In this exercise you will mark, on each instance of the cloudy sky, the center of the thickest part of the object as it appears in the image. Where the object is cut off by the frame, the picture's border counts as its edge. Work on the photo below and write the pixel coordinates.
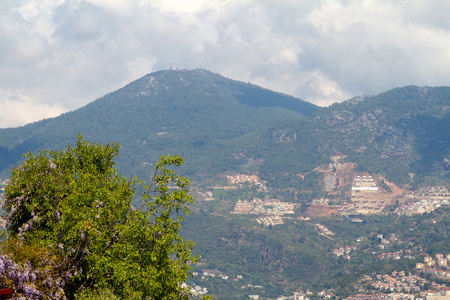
(59, 55)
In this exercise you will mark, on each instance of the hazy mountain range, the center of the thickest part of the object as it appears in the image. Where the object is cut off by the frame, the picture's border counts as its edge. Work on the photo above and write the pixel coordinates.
(178, 112)
(218, 124)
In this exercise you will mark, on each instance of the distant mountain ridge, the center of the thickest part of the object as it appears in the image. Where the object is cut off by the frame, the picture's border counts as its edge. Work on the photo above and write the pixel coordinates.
(218, 124)
(171, 111)
(410, 125)
(402, 133)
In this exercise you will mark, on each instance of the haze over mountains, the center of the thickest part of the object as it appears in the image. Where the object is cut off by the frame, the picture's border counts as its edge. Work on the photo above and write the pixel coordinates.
(182, 112)
(219, 124)
(402, 134)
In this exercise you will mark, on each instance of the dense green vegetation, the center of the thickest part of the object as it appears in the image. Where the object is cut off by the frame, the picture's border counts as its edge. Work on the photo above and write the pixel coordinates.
(72, 228)
(402, 134)
(222, 126)
(218, 125)
(189, 113)
(266, 256)
(294, 256)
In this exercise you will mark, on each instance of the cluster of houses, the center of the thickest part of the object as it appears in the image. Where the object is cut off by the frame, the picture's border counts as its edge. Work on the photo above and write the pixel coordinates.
(384, 242)
(393, 296)
(399, 282)
(442, 294)
(364, 184)
(243, 207)
(436, 272)
(195, 290)
(361, 206)
(344, 251)
(439, 266)
(273, 210)
(394, 255)
(321, 201)
(438, 192)
(215, 273)
(266, 207)
(439, 294)
(391, 239)
(323, 230)
(295, 296)
(440, 260)
(425, 199)
(421, 205)
(270, 220)
(207, 195)
(241, 178)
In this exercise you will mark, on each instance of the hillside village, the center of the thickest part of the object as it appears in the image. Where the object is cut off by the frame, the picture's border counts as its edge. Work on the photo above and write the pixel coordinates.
(398, 284)
(351, 195)
(408, 283)
(425, 199)
(359, 194)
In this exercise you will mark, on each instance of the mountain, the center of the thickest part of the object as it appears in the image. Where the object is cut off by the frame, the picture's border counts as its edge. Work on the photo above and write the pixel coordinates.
(185, 112)
(405, 128)
(218, 124)
(402, 133)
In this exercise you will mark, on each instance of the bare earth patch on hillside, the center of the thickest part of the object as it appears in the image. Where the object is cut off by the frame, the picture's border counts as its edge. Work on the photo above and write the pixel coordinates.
(315, 211)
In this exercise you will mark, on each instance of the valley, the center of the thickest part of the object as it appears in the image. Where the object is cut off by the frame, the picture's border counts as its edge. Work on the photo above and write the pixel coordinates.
(349, 198)
(346, 193)
(292, 200)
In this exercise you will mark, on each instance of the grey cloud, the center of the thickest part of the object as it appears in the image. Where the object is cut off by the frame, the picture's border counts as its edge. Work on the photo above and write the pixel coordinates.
(79, 22)
(432, 14)
(20, 44)
(62, 56)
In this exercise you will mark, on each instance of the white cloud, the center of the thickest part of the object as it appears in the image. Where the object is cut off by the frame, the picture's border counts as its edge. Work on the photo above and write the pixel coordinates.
(62, 54)
(18, 109)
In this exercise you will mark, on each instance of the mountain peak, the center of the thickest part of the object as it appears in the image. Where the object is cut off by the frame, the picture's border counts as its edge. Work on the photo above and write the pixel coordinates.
(169, 111)
(160, 82)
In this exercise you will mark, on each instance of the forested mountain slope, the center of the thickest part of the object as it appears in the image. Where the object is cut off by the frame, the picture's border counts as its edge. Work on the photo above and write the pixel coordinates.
(218, 124)
(403, 134)
(184, 112)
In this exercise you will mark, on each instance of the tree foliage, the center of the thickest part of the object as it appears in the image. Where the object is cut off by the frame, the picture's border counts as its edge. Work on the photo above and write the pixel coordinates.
(76, 208)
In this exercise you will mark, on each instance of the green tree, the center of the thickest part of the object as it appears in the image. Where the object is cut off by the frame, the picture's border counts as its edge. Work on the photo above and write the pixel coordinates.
(74, 205)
